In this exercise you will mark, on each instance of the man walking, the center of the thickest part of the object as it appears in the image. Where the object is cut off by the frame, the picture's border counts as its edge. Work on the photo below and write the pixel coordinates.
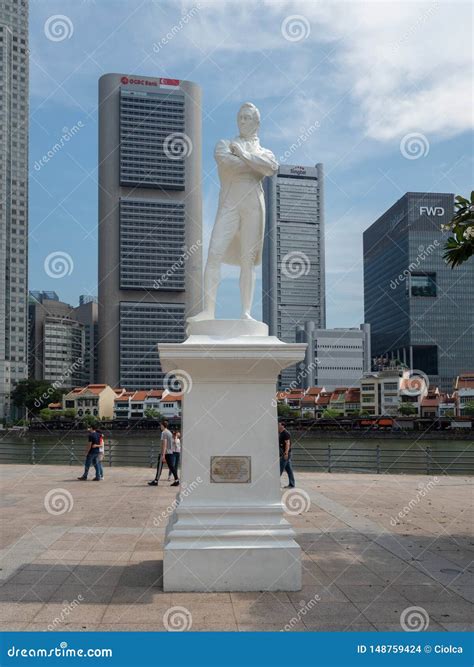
(167, 454)
(284, 440)
(92, 457)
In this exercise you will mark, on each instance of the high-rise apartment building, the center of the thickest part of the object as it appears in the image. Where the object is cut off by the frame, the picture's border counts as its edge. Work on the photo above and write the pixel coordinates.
(13, 197)
(421, 311)
(293, 279)
(59, 345)
(150, 228)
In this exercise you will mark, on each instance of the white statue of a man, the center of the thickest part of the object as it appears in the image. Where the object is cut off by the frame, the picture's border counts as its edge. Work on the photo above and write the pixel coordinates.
(237, 236)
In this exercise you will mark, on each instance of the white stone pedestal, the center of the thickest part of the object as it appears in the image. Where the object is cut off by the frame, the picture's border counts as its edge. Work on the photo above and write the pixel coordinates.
(228, 532)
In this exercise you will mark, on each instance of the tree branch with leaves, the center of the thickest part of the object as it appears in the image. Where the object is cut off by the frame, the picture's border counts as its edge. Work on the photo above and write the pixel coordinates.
(460, 246)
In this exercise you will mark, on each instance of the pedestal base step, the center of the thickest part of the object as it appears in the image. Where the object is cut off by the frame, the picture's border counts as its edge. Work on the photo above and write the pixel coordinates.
(232, 569)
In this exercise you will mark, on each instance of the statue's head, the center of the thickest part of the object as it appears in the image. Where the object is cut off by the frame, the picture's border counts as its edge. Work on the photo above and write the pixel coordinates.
(248, 120)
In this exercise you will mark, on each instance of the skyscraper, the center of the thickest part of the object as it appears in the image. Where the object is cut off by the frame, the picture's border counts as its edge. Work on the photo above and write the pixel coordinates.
(421, 311)
(13, 197)
(334, 357)
(59, 347)
(150, 256)
(293, 280)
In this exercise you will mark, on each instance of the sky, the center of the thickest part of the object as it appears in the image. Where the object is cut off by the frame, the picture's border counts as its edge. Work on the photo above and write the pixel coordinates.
(379, 92)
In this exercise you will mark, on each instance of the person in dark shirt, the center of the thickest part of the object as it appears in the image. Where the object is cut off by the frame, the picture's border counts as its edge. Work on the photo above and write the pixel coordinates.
(92, 457)
(284, 441)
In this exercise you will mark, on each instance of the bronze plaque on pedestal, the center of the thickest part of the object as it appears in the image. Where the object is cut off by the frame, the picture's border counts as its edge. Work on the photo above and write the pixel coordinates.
(230, 469)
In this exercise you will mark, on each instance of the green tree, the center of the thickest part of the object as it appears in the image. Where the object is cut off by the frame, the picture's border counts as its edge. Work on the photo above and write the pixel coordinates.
(34, 395)
(89, 420)
(151, 413)
(460, 246)
(407, 409)
(331, 413)
(46, 414)
(468, 409)
(284, 410)
(69, 413)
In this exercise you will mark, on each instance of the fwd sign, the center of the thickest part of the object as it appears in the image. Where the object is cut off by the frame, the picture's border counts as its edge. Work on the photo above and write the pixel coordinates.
(432, 210)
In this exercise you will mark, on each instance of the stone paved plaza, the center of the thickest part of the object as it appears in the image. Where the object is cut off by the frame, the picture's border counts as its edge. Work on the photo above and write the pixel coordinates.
(88, 555)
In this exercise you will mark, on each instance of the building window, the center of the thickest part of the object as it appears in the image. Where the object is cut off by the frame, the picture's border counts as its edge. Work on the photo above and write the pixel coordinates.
(423, 284)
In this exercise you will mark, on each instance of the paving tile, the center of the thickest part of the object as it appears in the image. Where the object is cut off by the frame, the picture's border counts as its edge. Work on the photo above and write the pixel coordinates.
(372, 593)
(83, 612)
(22, 611)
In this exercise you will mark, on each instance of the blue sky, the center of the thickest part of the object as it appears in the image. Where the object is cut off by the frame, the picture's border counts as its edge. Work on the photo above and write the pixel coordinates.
(366, 75)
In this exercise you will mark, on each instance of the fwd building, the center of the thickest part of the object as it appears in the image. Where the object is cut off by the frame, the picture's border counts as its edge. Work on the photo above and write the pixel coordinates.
(150, 227)
(421, 312)
(293, 255)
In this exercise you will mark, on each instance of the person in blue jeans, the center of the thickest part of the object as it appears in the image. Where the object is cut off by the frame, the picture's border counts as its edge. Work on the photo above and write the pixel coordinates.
(92, 458)
(284, 441)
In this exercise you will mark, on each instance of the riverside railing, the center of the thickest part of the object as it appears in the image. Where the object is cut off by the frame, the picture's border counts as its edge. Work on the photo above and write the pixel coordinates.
(457, 460)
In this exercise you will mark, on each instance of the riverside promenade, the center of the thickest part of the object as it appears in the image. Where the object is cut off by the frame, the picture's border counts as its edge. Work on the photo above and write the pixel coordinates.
(88, 556)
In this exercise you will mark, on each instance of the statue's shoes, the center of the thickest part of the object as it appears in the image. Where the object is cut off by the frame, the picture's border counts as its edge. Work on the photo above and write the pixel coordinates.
(203, 315)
